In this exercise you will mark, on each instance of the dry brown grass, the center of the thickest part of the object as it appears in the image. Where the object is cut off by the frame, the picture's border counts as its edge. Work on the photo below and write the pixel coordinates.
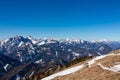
(110, 60)
(95, 72)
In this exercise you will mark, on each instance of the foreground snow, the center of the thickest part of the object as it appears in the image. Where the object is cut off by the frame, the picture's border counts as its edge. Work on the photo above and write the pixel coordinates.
(65, 72)
(115, 68)
(74, 69)
(91, 62)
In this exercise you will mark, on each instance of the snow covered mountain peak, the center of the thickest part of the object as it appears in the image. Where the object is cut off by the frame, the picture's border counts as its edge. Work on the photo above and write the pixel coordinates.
(23, 47)
(104, 40)
(42, 51)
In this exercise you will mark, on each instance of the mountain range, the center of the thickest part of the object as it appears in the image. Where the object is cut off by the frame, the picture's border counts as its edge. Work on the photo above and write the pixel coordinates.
(24, 57)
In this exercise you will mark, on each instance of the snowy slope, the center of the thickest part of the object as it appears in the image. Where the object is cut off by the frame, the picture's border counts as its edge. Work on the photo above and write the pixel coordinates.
(115, 68)
(65, 72)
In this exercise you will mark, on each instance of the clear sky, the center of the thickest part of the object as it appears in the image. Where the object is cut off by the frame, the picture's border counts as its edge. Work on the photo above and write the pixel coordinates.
(84, 19)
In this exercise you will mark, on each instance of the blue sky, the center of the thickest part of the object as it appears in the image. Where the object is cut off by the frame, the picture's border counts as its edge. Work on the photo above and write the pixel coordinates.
(84, 19)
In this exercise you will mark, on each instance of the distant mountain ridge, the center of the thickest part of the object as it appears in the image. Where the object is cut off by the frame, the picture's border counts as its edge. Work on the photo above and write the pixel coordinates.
(41, 52)
(25, 49)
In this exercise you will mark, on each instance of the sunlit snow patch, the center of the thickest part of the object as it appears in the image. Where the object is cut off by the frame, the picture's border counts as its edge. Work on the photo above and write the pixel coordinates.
(115, 68)
(65, 72)
(5, 67)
